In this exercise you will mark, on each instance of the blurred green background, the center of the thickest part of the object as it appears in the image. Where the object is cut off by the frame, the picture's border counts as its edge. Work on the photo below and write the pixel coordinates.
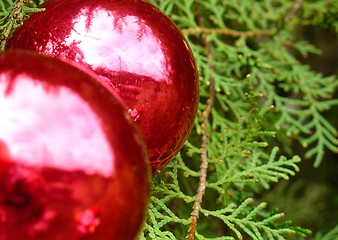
(310, 198)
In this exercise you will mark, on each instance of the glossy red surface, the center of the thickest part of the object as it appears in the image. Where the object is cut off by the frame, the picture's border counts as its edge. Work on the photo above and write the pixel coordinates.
(72, 163)
(136, 50)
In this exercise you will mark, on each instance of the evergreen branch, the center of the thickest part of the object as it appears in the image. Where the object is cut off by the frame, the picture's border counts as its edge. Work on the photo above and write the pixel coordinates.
(331, 235)
(3, 7)
(305, 96)
(245, 219)
(165, 190)
(167, 216)
(154, 230)
(325, 136)
(304, 121)
(13, 19)
(204, 147)
(258, 170)
(170, 189)
(186, 171)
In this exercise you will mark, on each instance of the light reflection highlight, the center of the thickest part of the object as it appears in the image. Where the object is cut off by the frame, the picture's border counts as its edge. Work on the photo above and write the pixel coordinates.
(129, 46)
(52, 127)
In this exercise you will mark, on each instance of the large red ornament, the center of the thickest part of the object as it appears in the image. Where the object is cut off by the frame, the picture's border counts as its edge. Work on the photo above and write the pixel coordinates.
(136, 50)
(72, 165)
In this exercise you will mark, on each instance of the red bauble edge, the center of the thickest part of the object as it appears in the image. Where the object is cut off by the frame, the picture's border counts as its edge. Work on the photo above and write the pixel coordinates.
(72, 162)
(136, 50)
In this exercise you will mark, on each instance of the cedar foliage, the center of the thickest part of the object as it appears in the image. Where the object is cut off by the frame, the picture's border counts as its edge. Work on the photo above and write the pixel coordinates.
(257, 102)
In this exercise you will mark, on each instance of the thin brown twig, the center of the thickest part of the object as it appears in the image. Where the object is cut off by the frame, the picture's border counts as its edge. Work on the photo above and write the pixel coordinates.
(296, 6)
(204, 147)
(227, 31)
(204, 163)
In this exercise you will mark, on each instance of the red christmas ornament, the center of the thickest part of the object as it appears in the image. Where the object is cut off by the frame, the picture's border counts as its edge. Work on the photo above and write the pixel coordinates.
(72, 165)
(136, 50)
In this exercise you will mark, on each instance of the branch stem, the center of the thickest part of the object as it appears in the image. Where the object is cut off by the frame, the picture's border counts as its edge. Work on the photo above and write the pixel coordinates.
(296, 6)
(204, 145)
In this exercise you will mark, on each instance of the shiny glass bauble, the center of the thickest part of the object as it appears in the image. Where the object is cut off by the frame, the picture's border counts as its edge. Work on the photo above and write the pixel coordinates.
(73, 164)
(136, 50)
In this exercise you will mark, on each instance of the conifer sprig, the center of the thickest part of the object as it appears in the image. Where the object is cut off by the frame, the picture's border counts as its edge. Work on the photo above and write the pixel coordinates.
(12, 15)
